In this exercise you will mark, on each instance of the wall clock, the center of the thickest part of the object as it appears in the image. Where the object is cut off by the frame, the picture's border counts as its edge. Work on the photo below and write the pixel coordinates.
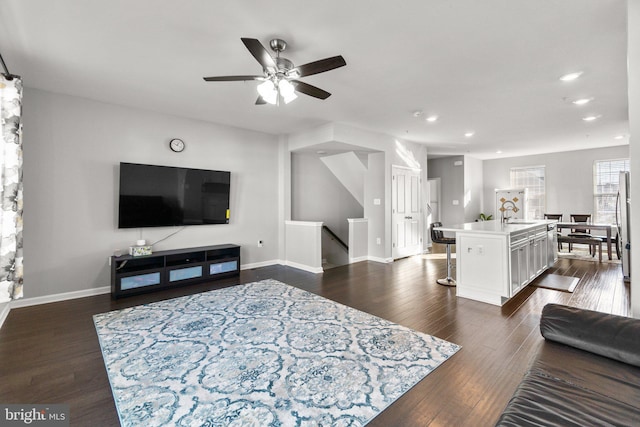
(176, 145)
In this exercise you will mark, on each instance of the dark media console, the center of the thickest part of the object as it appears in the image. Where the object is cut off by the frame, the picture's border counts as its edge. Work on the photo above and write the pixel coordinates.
(166, 269)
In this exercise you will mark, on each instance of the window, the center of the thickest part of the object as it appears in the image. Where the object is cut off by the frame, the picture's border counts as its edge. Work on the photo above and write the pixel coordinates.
(606, 175)
(532, 179)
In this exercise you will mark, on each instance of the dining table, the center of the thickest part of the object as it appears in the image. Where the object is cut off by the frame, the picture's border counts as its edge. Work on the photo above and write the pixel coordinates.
(583, 227)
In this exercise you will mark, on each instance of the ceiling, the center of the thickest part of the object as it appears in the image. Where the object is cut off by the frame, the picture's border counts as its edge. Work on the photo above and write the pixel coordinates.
(491, 66)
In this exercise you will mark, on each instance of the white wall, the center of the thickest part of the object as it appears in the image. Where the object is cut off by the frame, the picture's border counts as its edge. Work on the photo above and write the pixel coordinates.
(395, 152)
(350, 170)
(72, 149)
(317, 195)
(452, 188)
(374, 188)
(473, 188)
(568, 176)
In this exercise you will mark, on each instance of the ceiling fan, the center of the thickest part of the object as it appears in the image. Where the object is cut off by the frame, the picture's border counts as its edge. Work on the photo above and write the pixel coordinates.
(280, 79)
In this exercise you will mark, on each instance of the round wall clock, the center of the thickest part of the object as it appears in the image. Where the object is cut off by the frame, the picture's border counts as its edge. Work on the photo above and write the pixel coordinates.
(176, 145)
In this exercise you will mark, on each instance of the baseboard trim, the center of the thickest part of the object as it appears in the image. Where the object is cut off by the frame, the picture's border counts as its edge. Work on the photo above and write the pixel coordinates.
(358, 259)
(316, 270)
(27, 302)
(382, 260)
(260, 264)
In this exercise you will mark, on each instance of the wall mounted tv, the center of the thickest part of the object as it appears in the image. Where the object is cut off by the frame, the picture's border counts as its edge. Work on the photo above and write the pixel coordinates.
(161, 196)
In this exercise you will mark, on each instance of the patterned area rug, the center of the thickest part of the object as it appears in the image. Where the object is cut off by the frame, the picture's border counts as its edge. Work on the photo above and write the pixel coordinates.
(260, 354)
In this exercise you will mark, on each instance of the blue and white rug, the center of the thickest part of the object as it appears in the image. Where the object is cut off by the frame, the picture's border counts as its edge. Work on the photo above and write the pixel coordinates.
(259, 354)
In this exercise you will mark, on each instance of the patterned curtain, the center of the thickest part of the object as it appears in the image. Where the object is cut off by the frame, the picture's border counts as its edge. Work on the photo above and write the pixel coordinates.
(10, 189)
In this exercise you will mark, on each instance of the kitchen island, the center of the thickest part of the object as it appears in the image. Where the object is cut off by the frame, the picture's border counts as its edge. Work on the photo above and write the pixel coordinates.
(496, 260)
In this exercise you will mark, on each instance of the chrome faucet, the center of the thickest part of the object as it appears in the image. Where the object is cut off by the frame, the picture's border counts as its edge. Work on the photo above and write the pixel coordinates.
(512, 208)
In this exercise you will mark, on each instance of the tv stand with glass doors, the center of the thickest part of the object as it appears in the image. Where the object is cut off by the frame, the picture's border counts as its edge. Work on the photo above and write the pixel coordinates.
(167, 269)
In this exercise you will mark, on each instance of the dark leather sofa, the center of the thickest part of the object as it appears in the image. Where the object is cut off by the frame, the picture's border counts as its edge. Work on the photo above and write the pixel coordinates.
(586, 374)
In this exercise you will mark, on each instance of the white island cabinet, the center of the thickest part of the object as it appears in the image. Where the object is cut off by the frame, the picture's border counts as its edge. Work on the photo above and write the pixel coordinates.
(495, 260)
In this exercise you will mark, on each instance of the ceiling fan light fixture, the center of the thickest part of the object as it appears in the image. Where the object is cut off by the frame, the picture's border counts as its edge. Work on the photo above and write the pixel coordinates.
(287, 90)
(289, 98)
(279, 72)
(268, 92)
(293, 74)
(285, 87)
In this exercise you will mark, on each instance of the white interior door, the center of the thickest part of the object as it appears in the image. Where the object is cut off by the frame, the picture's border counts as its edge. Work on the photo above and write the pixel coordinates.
(406, 212)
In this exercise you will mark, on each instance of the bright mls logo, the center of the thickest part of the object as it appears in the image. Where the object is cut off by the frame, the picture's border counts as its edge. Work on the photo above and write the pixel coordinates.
(34, 415)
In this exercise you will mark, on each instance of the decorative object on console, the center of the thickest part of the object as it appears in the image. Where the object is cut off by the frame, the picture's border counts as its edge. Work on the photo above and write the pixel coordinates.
(140, 250)
(280, 79)
(262, 353)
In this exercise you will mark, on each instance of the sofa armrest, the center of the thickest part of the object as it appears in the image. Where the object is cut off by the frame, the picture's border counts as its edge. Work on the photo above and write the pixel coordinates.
(608, 335)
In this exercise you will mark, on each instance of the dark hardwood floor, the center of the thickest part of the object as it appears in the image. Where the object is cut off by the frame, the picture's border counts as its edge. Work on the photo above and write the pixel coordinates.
(50, 353)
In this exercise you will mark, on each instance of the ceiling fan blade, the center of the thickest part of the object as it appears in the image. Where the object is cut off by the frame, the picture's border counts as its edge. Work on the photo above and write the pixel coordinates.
(232, 78)
(260, 100)
(321, 66)
(310, 90)
(259, 52)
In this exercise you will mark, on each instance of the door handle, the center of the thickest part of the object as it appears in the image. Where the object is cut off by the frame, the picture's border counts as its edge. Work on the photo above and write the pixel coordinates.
(408, 217)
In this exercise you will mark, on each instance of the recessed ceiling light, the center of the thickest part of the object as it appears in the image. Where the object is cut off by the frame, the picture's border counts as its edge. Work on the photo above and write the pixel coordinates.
(469, 134)
(571, 76)
(431, 119)
(590, 118)
(417, 113)
(618, 137)
(499, 152)
(582, 101)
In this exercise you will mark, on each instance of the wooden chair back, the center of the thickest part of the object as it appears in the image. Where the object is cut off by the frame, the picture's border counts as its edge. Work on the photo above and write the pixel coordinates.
(582, 218)
(557, 217)
(586, 218)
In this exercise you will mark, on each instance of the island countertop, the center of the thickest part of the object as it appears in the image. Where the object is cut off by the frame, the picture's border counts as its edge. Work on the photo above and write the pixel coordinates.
(496, 226)
(495, 260)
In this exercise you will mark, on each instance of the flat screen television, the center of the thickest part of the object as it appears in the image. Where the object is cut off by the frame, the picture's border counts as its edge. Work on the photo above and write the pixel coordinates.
(161, 196)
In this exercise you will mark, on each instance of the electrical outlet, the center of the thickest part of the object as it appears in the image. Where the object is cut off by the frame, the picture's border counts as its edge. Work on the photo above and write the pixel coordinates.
(378, 241)
(260, 244)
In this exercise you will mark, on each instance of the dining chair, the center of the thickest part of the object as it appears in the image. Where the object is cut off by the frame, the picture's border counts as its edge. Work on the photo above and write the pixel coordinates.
(557, 217)
(584, 219)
